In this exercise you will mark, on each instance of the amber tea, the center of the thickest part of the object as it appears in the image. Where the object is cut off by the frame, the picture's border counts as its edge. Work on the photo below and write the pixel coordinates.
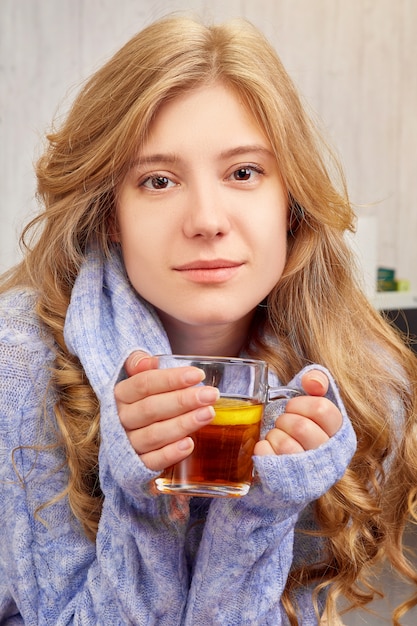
(221, 462)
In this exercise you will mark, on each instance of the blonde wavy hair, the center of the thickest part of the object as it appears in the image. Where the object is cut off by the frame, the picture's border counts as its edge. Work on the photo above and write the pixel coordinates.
(317, 311)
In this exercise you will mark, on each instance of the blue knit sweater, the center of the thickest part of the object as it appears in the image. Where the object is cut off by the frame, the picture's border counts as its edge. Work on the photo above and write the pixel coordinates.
(151, 564)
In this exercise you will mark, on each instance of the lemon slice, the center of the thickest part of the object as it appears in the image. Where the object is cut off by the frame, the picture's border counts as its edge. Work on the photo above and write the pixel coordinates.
(233, 411)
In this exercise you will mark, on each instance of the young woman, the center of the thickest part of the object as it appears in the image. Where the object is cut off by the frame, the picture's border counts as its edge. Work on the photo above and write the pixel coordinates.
(188, 208)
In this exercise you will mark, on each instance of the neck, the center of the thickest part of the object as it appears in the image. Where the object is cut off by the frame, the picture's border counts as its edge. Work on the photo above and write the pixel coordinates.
(216, 340)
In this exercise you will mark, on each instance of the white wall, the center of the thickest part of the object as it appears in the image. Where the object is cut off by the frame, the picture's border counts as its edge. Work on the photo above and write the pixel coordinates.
(354, 61)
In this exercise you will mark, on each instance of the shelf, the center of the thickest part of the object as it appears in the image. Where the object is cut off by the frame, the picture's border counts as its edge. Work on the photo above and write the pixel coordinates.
(388, 300)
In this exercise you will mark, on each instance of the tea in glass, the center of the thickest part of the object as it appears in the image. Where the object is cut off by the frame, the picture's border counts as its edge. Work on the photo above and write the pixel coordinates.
(221, 462)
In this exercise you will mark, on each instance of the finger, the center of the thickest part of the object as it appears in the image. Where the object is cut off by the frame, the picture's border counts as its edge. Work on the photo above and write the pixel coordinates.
(139, 361)
(160, 407)
(155, 381)
(320, 410)
(263, 448)
(159, 460)
(315, 383)
(300, 429)
(160, 434)
(277, 442)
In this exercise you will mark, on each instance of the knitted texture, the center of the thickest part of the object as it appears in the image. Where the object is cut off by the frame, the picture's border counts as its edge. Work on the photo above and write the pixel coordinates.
(151, 563)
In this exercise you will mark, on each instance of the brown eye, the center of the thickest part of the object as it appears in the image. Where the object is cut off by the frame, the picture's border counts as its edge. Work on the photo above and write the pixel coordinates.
(157, 182)
(243, 173)
(247, 173)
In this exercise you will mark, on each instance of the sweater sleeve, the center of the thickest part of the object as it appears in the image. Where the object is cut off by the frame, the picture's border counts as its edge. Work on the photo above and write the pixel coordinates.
(247, 546)
(50, 572)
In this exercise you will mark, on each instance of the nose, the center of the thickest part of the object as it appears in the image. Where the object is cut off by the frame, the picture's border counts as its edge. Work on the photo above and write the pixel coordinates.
(206, 212)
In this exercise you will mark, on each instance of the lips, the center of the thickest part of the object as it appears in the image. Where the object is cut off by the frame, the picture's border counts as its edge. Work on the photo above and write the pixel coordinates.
(209, 271)
(208, 265)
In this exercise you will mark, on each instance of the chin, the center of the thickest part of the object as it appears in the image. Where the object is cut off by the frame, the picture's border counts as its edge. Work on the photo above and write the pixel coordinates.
(206, 316)
(219, 317)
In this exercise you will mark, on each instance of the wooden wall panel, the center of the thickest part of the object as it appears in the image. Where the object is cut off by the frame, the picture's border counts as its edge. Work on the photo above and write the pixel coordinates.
(353, 61)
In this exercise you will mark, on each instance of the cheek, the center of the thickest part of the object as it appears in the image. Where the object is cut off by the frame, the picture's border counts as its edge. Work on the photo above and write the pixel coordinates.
(139, 258)
(273, 233)
(142, 272)
(275, 249)
(139, 237)
(145, 251)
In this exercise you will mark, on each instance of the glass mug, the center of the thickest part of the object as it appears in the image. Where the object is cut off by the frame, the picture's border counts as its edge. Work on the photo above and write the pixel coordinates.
(221, 462)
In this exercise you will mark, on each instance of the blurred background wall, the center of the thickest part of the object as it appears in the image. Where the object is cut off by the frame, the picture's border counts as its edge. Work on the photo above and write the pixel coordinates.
(354, 62)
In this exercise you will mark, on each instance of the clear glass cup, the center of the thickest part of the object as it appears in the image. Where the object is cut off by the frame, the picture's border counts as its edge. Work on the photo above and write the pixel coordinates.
(221, 462)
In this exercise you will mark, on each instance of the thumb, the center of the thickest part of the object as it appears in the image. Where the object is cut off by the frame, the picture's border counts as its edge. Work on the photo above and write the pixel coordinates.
(138, 361)
(315, 383)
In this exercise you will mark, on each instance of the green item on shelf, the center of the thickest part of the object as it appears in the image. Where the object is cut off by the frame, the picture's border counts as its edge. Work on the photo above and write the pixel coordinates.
(386, 279)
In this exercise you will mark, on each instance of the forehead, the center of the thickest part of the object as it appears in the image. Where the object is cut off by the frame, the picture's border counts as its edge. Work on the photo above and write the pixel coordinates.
(211, 116)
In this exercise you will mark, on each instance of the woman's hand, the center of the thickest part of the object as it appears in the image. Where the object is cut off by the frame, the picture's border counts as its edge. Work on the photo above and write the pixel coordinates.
(308, 420)
(159, 409)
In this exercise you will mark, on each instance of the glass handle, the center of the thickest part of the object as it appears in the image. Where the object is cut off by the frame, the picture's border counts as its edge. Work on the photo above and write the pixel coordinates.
(278, 393)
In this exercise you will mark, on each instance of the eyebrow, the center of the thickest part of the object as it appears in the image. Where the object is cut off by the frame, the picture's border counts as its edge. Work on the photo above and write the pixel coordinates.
(149, 159)
(171, 157)
(257, 148)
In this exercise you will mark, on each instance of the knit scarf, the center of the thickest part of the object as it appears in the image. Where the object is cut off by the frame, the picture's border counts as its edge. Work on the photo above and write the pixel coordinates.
(107, 320)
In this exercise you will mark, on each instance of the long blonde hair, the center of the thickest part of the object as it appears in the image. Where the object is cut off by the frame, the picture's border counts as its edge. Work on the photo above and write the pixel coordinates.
(317, 311)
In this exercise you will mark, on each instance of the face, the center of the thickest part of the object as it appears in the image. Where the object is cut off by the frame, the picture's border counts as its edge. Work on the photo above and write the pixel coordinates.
(202, 216)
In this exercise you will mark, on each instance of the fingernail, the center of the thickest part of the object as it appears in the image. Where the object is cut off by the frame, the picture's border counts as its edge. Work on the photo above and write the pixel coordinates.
(137, 358)
(208, 394)
(185, 444)
(205, 414)
(193, 376)
(318, 377)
